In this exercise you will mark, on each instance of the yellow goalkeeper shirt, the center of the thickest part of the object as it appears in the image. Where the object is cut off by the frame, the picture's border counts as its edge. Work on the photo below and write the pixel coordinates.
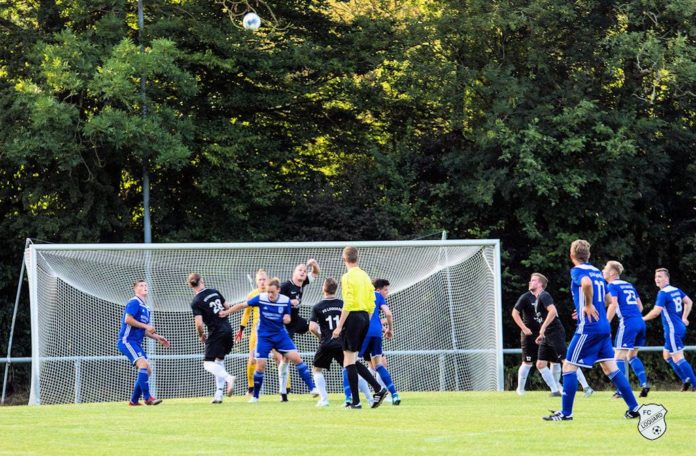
(358, 292)
(249, 311)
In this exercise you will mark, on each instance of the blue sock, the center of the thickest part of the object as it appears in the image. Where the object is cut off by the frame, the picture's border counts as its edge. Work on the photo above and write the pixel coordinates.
(676, 369)
(144, 383)
(135, 397)
(303, 370)
(687, 371)
(258, 381)
(621, 364)
(570, 386)
(386, 378)
(346, 387)
(639, 370)
(619, 379)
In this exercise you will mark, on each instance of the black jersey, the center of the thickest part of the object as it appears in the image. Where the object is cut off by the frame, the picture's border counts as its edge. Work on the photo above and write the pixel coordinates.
(292, 291)
(326, 314)
(534, 311)
(208, 303)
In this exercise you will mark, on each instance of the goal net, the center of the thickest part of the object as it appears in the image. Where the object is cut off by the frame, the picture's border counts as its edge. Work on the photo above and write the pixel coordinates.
(445, 297)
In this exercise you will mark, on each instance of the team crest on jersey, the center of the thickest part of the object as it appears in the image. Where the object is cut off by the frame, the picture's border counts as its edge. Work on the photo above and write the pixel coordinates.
(652, 424)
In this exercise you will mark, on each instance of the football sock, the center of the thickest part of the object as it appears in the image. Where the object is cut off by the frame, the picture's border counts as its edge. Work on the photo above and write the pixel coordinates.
(386, 378)
(364, 373)
(621, 364)
(144, 382)
(687, 371)
(556, 370)
(522, 375)
(135, 397)
(353, 382)
(283, 374)
(548, 378)
(639, 370)
(621, 383)
(320, 381)
(220, 380)
(582, 379)
(250, 374)
(570, 386)
(676, 369)
(375, 373)
(258, 381)
(303, 370)
(346, 386)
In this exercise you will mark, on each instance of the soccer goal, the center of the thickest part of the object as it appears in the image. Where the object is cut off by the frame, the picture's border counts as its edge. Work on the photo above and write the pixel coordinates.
(445, 296)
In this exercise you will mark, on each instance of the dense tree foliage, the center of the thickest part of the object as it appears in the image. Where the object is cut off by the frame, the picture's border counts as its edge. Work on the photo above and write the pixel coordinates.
(532, 121)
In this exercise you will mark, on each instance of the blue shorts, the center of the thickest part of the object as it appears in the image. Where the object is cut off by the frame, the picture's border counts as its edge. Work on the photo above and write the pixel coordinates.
(281, 342)
(674, 341)
(630, 334)
(132, 350)
(372, 346)
(586, 349)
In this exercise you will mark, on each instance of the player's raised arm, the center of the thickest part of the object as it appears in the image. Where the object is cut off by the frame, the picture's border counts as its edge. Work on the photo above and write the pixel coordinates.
(312, 269)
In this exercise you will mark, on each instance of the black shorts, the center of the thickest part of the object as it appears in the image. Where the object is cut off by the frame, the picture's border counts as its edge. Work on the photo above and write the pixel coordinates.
(218, 345)
(354, 331)
(327, 352)
(553, 347)
(298, 325)
(530, 349)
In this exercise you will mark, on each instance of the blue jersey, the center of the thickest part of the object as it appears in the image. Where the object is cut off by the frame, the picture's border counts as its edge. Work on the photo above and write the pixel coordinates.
(140, 312)
(375, 329)
(587, 324)
(670, 299)
(270, 313)
(627, 299)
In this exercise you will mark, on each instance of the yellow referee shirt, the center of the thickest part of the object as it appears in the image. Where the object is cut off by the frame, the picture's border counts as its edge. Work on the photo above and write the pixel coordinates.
(358, 292)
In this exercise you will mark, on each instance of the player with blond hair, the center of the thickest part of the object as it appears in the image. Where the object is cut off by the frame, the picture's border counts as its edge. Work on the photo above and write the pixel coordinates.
(253, 314)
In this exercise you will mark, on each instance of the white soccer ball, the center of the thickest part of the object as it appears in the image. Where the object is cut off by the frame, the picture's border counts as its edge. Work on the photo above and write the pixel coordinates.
(251, 21)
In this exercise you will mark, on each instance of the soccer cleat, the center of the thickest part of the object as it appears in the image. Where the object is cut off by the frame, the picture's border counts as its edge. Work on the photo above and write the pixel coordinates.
(283, 397)
(556, 394)
(686, 386)
(644, 392)
(557, 416)
(351, 406)
(396, 400)
(617, 395)
(253, 400)
(230, 385)
(323, 403)
(520, 392)
(134, 404)
(588, 392)
(630, 414)
(217, 398)
(378, 397)
(153, 401)
(314, 392)
(250, 391)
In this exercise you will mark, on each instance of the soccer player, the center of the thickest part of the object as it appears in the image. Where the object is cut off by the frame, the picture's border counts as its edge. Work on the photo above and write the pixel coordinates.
(324, 318)
(208, 307)
(625, 303)
(303, 275)
(358, 305)
(253, 313)
(371, 349)
(591, 342)
(542, 337)
(135, 325)
(271, 334)
(674, 306)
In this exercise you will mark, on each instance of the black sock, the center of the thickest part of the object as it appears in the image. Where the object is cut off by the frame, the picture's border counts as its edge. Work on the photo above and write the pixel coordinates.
(365, 373)
(353, 382)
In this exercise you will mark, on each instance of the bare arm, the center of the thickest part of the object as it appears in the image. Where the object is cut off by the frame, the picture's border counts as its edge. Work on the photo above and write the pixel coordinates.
(552, 313)
(520, 323)
(339, 327)
(389, 326)
(314, 329)
(314, 267)
(687, 310)
(654, 313)
(640, 305)
(611, 309)
(200, 330)
(232, 309)
(136, 324)
(587, 291)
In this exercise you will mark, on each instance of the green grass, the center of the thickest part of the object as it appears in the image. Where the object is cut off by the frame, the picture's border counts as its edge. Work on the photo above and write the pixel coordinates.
(427, 423)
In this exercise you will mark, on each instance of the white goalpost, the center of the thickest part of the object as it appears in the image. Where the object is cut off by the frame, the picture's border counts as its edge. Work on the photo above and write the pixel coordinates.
(445, 296)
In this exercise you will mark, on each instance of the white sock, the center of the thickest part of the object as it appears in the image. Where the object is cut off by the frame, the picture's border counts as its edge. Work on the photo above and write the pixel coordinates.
(283, 373)
(218, 370)
(582, 379)
(522, 375)
(548, 378)
(556, 370)
(378, 378)
(320, 382)
(365, 388)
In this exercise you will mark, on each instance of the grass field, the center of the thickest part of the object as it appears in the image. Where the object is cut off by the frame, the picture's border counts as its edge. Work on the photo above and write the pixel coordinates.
(426, 423)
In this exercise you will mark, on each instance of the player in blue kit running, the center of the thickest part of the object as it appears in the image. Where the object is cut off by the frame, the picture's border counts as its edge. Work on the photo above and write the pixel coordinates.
(625, 303)
(591, 342)
(135, 325)
(674, 306)
(271, 333)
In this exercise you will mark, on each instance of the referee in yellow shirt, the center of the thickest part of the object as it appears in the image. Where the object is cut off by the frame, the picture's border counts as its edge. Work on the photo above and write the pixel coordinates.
(358, 305)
